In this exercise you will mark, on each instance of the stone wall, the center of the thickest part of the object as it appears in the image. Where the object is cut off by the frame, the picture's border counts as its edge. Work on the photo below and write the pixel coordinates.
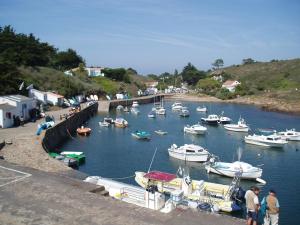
(57, 135)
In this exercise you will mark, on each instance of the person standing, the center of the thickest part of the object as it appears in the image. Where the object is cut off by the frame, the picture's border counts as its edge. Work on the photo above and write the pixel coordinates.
(272, 212)
(252, 205)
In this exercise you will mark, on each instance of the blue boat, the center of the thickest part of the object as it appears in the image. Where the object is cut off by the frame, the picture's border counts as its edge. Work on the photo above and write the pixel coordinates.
(141, 135)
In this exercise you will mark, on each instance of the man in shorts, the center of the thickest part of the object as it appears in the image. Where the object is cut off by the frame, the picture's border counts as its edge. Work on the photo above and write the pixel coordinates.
(252, 205)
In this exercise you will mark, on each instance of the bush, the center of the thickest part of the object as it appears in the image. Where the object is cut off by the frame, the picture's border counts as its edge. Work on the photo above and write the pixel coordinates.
(224, 94)
(208, 86)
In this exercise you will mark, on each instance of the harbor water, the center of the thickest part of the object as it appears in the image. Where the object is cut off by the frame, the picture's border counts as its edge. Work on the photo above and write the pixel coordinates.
(113, 152)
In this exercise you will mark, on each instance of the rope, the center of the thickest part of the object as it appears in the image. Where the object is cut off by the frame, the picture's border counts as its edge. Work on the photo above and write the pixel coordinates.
(70, 134)
(152, 160)
(9, 178)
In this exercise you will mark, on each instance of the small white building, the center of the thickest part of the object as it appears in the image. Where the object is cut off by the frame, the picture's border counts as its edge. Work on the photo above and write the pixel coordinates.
(95, 71)
(55, 99)
(231, 85)
(41, 96)
(12, 106)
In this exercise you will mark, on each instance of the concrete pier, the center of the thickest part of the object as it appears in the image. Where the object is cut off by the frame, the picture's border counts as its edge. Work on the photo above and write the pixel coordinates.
(105, 106)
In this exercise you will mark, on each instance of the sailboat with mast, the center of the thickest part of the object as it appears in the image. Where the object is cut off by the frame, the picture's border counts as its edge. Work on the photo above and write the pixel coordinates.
(161, 110)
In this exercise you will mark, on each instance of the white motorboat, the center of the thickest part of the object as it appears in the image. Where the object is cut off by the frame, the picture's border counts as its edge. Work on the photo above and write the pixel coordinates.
(135, 104)
(224, 119)
(272, 140)
(211, 119)
(160, 110)
(104, 124)
(241, 126)
(246, 170)
(195, 129)
(189, 152)
(161, 132)
(177, 106)
(184, 112)
(135, 110)
(126, 109)
(108, 120)
(201, 109)
(152, 114)
(290, 135)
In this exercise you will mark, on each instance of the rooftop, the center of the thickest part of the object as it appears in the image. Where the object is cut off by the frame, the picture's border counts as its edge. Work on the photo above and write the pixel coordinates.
(6, 106)
(16, 98)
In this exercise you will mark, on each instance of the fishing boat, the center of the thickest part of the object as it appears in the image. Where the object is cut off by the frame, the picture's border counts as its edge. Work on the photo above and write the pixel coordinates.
(184, 112)
(230, 169)
(135, 110)
(120, 123)
(141, 134)
(161, 132)
(290, 135)
(241, 126)
(272, 140)
(201, 109)
(195, 129)
(152, 114)
(211, 119)
(84, 130)
(177, 106)
(135, 104)
(189, 152)
(218, 195)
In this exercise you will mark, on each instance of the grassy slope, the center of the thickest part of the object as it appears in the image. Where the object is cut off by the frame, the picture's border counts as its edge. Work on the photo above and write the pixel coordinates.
(277, 79)
(50, 79)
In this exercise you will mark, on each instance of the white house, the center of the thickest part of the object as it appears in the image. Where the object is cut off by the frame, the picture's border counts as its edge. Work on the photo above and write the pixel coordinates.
(95, 71)
(55, 99)
(41, 96)
(12, 106)
(230, 85)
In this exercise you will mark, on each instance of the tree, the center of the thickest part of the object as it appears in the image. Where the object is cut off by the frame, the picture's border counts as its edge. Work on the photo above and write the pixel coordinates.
(208, 86)
(218, 63)
(248, 61)
(66, 60)
(191, 75)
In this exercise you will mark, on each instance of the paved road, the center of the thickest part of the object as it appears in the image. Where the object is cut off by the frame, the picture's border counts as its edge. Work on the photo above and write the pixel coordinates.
(52, 198)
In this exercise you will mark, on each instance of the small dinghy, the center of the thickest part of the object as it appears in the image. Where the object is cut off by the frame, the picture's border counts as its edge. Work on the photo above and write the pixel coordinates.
(120, 123)
(152, 114)
(161, 132)
(84, 131)
(104, 124)
(184, 112)
(201, 109)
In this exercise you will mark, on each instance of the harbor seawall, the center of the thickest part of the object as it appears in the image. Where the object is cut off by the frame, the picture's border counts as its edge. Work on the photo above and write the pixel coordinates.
(105, 106)
(56, 135)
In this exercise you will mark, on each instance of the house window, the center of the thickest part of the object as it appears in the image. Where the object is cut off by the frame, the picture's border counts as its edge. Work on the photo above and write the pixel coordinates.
(8, 115)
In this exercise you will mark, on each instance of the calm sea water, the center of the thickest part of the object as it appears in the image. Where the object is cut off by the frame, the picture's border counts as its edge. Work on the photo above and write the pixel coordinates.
(113, 152)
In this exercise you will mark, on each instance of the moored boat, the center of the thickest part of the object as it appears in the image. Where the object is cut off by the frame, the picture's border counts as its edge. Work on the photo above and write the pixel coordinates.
(241, 126)
(161, 132)
(176, 106)
(141, 135)
(120, 123)
(218, 195)
(152, 114)
(120, 108)
(104, 124)
(135, 104)
(290, 135)
(195, 129)
(246, 170)
(160, 110)
(189, 152)
(83, 130)
(79, 156)
(184, 112)
(211, 119)
(135, 110)
(201, 109)
(272, 140)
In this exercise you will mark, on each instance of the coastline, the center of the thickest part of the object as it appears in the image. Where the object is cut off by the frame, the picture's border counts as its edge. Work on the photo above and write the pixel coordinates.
(264, 102)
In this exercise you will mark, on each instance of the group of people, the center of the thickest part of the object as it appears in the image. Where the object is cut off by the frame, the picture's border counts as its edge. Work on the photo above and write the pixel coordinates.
(269, 207)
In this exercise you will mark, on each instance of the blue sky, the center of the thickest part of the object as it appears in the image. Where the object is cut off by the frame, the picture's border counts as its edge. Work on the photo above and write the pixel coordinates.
(156, 36)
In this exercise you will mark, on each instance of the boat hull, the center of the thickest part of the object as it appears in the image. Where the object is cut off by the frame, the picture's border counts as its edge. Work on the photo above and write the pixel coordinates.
(231, 173)
(210, 122)
(236, 128)
(193, 131)
(263, 143)
(189, 157)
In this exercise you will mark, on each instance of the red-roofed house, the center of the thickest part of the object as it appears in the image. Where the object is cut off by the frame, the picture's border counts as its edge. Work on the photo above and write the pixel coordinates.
(230, 85)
